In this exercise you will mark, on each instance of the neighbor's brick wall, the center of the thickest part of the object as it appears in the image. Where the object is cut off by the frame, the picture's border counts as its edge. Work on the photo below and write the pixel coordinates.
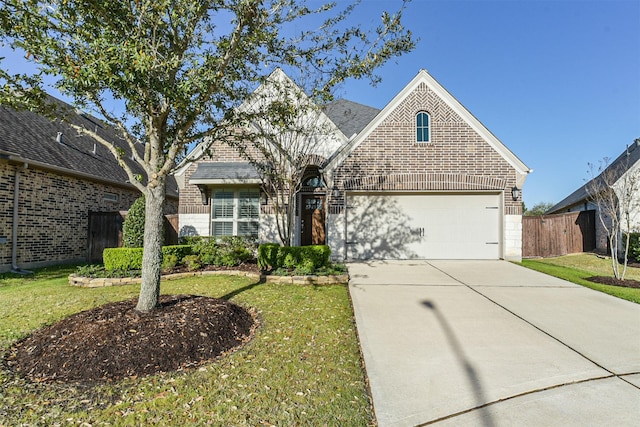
(455, 148)
(53, 215)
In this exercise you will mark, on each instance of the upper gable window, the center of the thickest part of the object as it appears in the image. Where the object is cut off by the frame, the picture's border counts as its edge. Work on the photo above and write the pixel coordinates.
(423, 128)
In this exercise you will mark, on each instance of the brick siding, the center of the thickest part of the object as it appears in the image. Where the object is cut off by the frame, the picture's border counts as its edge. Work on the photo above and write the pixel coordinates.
(53, 214)
(456, 158)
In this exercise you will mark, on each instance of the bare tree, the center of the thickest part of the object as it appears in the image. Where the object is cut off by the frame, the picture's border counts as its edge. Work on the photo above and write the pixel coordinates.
(614, 190)
(296, 135)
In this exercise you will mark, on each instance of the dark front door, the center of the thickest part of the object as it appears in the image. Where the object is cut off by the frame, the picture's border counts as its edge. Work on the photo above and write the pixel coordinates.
(312, 220)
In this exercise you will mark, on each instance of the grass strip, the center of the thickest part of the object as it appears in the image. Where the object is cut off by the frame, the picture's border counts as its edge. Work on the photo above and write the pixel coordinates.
(579, 277)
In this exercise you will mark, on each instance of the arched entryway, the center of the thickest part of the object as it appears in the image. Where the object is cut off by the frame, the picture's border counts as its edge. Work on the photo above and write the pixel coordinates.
(312, 208)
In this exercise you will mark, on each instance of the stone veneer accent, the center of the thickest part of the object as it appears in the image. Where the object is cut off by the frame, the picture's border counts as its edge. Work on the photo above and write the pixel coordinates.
(89, 282)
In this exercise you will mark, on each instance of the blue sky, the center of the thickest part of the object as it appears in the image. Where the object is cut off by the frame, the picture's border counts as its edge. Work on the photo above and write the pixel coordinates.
(557, 81)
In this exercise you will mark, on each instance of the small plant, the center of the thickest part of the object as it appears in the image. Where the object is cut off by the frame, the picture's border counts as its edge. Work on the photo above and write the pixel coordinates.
(206, 249)
(169, 261)
(91, 270)
(192, 262)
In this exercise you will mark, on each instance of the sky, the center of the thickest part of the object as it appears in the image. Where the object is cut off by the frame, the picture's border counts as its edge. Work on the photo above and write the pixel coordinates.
(557, 81)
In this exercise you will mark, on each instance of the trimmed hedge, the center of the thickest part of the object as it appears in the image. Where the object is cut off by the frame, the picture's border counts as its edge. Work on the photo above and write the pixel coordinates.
(131, 258)
(273, 256)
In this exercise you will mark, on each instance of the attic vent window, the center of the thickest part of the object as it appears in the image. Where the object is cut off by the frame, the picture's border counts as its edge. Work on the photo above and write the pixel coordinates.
(110, 197)
(423, 128)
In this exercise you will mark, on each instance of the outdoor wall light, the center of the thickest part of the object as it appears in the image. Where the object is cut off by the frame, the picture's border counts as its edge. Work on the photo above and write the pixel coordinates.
(335, 192)
(515, 193)
(264, 198)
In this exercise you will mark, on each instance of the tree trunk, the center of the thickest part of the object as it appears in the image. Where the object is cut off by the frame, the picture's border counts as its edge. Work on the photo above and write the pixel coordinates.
(152, 255)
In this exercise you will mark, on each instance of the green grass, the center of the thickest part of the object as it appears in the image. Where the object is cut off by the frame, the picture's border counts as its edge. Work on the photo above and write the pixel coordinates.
(302, 368)
(577, 268)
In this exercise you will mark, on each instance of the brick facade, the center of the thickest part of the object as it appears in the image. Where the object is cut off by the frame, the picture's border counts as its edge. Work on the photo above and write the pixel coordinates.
(53, 214)
(461, 156)
(456, 158)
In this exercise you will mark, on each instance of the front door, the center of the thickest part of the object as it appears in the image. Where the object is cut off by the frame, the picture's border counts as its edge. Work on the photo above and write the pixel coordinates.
(312, 225)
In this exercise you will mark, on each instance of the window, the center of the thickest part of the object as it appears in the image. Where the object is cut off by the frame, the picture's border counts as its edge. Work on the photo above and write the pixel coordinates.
(423, 130)
(235, 212)
(110, 197)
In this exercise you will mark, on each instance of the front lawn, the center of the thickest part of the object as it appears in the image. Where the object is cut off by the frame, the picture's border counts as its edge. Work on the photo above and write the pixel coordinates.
(302, 368)
(578, 267)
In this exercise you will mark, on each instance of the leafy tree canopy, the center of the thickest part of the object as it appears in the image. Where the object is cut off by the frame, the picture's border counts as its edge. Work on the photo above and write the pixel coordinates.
(172, 72)
(538, 209)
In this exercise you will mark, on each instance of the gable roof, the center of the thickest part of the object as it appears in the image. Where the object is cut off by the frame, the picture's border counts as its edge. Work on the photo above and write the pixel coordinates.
(629, 157)
(31, 138)
(350, 117)
(424, 77)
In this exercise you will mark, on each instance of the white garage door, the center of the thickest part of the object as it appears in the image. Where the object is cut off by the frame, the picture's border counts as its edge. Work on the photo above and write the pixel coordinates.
(423, 226)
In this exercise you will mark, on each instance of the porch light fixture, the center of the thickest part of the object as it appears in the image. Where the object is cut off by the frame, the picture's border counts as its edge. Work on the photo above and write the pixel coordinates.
(515, 193)
(264, 198)
(335, 192)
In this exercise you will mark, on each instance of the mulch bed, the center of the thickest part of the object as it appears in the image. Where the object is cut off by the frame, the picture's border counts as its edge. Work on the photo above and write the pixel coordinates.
(246, 267)
(115, 341)
(605, 280)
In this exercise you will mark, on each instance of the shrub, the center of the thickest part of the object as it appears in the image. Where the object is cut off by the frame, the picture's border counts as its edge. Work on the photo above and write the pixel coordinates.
(180, 251)
(634, 246)
(169, 261)
(133, 226)
(131, 258)
(192, 262)
(228, 251)
(206, 249)
(304, 259)
(122, 258)
(234, 250)
(268, 256)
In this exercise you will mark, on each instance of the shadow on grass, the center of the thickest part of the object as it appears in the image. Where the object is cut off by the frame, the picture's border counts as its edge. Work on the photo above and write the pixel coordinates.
(242, 289)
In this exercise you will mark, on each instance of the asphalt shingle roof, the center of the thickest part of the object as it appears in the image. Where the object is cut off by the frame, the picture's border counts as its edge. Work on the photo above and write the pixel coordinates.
(350, 117)
(619, 166)
(34, 138)
(225, 170)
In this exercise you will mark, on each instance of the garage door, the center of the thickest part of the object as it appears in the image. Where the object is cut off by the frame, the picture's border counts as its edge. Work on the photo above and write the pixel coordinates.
(423, 226)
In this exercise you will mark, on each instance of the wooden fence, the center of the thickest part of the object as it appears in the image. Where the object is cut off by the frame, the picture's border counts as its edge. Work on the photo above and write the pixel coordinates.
(559, 234)
(105, 231)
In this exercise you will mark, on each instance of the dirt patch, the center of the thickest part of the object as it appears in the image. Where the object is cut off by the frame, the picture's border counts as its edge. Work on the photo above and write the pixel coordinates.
(605, 280)
(115, 341)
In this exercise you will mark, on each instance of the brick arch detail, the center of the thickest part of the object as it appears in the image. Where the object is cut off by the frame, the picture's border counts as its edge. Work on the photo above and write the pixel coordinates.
(425, 182)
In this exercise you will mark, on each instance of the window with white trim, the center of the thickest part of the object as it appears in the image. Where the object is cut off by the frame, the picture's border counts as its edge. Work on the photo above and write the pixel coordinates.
(423, 127)
(235, 212)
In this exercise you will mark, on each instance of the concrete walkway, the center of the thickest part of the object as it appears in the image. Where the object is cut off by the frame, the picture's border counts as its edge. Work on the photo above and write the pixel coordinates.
(490, 343)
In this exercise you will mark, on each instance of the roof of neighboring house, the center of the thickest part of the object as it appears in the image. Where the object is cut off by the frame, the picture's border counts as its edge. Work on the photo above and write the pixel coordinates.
(33, 138)
(224, 173)
(618, 167)
(349, 116)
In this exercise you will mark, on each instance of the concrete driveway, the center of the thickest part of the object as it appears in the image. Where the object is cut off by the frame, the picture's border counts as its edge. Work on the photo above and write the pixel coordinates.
(490, 343)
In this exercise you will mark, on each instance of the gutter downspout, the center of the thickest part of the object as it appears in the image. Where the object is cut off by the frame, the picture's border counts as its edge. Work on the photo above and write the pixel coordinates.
(14, 231)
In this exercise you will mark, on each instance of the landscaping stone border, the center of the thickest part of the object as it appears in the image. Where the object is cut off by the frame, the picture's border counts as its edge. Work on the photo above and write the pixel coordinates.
(99, 282)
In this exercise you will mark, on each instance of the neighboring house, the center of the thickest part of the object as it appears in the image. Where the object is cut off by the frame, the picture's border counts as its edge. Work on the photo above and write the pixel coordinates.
(51, 179)
(623, 167)
(420, 179)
